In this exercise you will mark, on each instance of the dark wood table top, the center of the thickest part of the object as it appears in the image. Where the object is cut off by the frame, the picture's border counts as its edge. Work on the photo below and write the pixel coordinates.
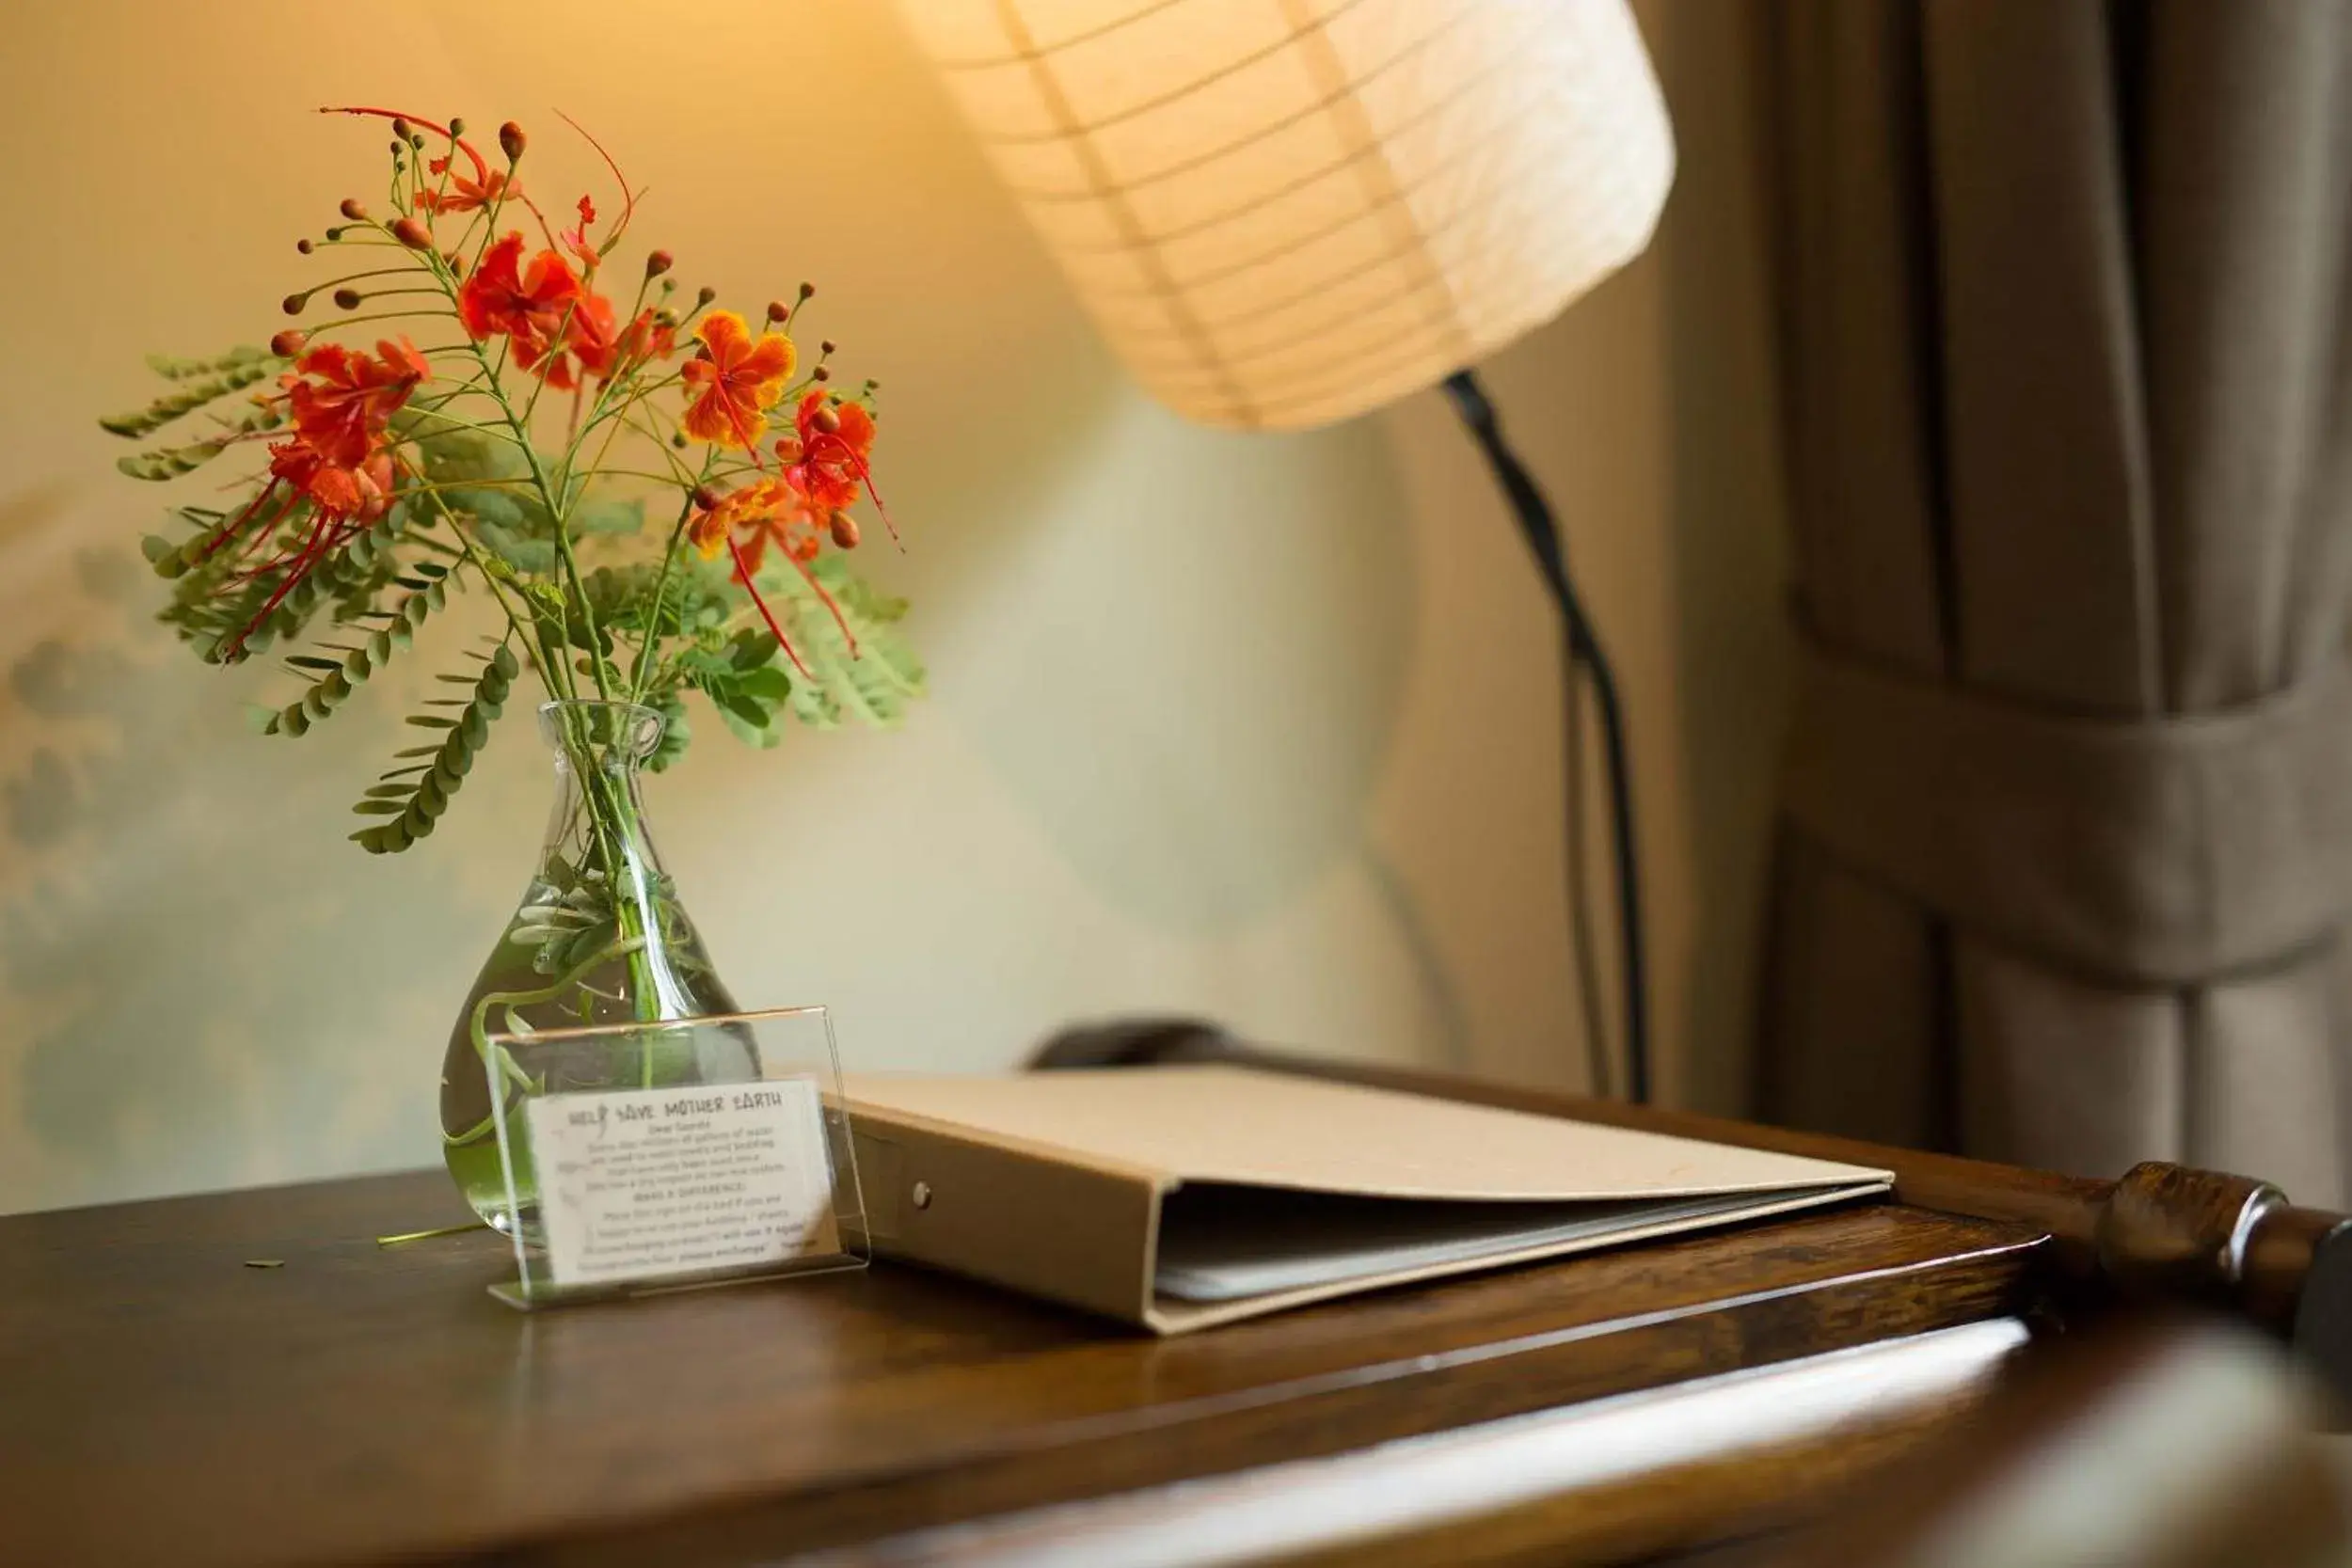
(166, 1402)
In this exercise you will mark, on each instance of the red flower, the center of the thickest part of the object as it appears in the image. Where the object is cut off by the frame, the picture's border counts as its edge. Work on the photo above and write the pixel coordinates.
(588, 336)
(359, 491)
(827, 457)
(824, 458)
(341, 401)
(736, 380)
(498, 297)
(336, 459)
(575, 239)
(651, 335)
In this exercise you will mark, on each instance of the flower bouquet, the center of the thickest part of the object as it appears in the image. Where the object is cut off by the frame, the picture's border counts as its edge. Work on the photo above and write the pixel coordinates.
(658, 500)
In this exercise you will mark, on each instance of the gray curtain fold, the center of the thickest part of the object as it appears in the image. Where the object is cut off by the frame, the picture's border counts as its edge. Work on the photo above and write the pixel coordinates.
(2065, 861)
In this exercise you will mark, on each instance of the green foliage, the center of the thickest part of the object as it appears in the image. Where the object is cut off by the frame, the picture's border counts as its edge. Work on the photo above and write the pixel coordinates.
(209, 604)
(237, 358)
(411, 799)
(745, 680)
(676, 732)
(694, 599)
(877, 685)
(486, 476)
(197, 382)
(162, 462)
(427, 586)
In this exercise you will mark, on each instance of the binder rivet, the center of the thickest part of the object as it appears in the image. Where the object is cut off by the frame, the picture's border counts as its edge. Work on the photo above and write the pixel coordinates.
(922, 1194)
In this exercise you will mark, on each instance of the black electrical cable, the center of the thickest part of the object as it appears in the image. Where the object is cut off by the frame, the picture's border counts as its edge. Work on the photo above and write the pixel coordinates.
(1533, 515)
(1598, 1061)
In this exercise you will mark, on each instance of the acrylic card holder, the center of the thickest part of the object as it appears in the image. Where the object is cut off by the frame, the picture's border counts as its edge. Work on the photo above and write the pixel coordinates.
(644, 1156)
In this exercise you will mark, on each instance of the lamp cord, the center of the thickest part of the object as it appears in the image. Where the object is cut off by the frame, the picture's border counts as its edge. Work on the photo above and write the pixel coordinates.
(1581, 648)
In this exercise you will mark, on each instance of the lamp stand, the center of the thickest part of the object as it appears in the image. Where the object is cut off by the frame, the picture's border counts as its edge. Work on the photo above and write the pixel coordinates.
(1581, 653)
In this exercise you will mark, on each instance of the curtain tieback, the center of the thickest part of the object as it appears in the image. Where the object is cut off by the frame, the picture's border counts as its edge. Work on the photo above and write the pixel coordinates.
(2163, 851)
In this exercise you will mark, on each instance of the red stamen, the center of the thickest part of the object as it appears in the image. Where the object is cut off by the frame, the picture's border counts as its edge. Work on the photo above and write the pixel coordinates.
(865, 477)
(229, 529)
(312, 552)
(743, 575)
(629, 202)
(480, 168)
(818, 589)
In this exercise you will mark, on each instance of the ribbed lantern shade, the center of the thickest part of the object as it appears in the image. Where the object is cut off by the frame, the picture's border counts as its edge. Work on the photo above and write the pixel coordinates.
(1285, 212)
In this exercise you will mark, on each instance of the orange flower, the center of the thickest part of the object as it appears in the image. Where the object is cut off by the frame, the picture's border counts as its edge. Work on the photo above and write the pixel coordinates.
(464, 195)
(336, 459)
(362, 490)
(744, 523)
(736, 380)
(763, 512)
(498, 297)
(341, 401)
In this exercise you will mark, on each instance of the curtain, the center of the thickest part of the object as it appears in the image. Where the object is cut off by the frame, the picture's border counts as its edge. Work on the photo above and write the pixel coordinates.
(2064, 862)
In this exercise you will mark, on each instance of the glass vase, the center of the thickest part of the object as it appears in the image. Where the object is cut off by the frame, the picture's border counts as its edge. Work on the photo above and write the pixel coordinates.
(600, 938)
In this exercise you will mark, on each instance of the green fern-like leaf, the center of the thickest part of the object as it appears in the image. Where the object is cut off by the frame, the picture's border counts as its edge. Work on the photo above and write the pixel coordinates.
(483, 475)
(208, 608)
(337, 680)
(162, 462)
(172, 369)
(676, 733)
(197, 382)
(877, 685)
(411, 801)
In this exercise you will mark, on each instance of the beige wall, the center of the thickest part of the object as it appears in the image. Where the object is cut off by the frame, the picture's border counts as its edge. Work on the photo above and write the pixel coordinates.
(1262, 728)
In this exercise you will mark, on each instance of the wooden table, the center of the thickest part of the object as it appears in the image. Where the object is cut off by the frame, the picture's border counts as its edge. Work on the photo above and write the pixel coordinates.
(162, 1400)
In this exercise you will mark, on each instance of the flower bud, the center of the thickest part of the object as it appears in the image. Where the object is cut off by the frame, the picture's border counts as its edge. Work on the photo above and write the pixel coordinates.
(777, 311)
(656, 263)
(678, 442)
(348, 298)
(413, 234)
(294, 303)
(844, 530)
(807, 290)
(303, 245)
(512, 141)
(826, 418)
(704, 295)
(288, 343)
(456, 127)
(352, 210)
(334, 233)
(399, 127)
(821, 373)
(455, 263)
(706, 497)
(825, 345)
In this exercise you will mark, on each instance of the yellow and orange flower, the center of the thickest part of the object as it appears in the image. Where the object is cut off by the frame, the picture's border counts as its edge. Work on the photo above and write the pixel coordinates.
(735, 381)
(765, 512)
(743, 523)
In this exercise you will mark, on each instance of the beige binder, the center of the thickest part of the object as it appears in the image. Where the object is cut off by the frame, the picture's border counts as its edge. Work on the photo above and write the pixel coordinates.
(1177, 1197)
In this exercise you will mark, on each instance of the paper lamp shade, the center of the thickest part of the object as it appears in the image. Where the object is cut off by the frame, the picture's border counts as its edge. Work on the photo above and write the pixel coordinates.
(1282, 212)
